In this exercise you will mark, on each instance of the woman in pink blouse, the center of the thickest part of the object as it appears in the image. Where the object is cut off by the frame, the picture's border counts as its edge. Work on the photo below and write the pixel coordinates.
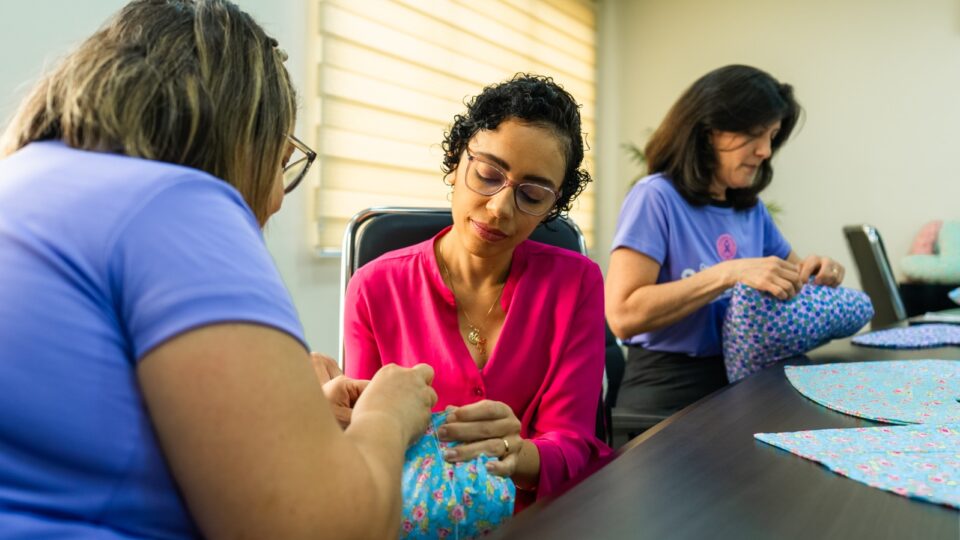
(513, 328)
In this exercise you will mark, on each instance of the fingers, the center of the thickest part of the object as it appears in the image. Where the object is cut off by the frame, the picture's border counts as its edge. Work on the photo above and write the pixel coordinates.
(482, 410)
(831, 273)
(425, 371)
(810, 266)
(504, 467)
(501, 448)
(478, 421)
(325, 367)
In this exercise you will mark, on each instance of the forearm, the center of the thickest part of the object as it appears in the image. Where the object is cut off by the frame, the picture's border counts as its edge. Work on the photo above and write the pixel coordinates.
(652, 307)
(378, 442)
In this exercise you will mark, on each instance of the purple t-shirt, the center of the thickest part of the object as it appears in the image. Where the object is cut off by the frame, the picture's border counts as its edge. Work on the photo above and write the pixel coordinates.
(657, 221)
(103, 258)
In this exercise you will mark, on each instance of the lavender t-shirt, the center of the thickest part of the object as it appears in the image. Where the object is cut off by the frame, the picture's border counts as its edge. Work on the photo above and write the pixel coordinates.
(657, 221)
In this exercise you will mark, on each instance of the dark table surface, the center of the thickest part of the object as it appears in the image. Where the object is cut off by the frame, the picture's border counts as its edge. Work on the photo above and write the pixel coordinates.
(701, 474)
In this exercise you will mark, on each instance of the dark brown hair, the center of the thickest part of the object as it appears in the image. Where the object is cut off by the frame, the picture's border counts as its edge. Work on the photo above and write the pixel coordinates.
(735, 98)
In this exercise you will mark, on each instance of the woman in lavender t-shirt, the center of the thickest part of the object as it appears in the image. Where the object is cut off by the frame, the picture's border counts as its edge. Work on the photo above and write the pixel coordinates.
(694, 228)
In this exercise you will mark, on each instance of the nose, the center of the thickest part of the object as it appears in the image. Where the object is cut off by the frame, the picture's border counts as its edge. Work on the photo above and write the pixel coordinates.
(500, 205)
(764, 148)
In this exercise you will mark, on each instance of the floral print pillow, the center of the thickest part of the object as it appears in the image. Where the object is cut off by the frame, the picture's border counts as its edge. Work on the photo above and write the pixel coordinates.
(760, 329)
(450, 500)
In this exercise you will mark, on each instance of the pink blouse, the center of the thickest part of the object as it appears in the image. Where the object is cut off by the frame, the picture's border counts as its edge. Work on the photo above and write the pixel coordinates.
(547, 364)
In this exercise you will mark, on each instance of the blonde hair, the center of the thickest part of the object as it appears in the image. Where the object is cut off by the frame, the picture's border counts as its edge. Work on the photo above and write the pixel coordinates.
(192, 82)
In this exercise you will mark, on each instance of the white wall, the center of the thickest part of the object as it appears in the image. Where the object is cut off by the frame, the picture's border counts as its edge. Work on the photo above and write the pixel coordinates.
(879, 80)
(30, 44)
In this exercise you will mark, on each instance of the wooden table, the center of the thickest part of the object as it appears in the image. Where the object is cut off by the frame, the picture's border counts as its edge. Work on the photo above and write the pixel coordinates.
(701, 474)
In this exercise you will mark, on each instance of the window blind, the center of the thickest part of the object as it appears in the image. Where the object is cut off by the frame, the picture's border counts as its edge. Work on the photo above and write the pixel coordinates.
(389, 76)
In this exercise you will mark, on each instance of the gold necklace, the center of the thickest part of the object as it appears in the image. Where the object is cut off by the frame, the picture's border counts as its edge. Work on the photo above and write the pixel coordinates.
(474, 336)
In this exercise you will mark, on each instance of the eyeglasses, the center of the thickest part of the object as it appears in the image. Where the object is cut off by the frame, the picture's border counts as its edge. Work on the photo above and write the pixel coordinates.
(485, 178)
(298, 164)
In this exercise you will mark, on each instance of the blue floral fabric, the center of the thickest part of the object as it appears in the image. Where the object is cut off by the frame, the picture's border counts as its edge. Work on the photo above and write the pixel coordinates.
(918, 461)
(450, 500)
(760, 329)
(895, 392)
(922, 336)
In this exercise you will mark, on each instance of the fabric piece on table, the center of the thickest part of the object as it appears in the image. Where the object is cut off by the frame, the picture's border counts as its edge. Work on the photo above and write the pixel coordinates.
(920, 462)
(450, 500)
(760, 329)
(921, 336)
(895, 392)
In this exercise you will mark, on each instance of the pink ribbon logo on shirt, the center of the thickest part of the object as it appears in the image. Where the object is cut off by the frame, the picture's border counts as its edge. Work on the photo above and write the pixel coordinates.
(726, 247)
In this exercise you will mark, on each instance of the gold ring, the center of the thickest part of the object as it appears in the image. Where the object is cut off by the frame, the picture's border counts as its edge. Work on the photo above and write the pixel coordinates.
(506, 447)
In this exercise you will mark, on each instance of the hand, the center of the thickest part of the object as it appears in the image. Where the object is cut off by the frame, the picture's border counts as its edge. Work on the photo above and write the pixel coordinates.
(403, 394)
(486, 427)
(343, 392)
(769, 274)
(828, 271)
(325, 367)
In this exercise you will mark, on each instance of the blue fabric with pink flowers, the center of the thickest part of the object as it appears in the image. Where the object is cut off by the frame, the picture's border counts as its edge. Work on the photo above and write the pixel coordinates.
(894, 392)
(450, 500)
(920, 460)
(760, 329)
(917, 461)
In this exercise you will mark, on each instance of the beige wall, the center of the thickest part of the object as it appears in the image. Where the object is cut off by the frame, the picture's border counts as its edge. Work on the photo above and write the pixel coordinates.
(879, 80)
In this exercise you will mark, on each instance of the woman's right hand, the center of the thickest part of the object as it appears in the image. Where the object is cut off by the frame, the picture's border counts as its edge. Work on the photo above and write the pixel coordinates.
(403, 394)
(769, 274)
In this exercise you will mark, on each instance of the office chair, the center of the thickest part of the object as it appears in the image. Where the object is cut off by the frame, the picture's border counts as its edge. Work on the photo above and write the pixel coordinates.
(375, 231)
(876, 275)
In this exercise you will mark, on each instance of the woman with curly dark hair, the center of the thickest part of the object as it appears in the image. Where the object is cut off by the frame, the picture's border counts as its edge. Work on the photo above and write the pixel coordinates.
(695, 228)
(513, 328)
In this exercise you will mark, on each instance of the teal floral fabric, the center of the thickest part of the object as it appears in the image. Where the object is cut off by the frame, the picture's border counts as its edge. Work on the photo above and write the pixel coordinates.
(917, 461)
(894, 392)
(760, 329)
(450, 500)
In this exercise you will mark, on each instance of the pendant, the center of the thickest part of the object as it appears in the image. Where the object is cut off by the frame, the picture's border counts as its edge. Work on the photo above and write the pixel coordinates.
(478, 342)
(474, 336)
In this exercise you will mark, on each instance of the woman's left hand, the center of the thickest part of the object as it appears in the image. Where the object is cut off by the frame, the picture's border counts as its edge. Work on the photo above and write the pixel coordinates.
(341, 391)
(486, 427)
(827, 271)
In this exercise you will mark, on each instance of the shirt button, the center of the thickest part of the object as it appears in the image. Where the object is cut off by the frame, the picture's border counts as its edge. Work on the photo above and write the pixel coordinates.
(478, 391)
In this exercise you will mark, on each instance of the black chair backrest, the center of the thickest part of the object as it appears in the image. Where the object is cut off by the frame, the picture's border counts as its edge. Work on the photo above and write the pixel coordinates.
(376, 231)
(876, 275)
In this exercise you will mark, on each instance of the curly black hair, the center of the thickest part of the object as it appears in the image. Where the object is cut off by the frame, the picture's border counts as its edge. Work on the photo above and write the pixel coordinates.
(533, 99)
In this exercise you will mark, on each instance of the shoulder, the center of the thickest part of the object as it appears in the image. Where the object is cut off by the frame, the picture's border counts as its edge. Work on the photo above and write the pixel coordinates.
(655, 189)
(556, 260)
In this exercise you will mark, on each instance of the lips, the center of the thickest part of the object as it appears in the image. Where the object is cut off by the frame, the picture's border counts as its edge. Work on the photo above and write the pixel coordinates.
(490, 234)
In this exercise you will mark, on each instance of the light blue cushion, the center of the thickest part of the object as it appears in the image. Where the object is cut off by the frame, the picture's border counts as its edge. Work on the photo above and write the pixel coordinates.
(450, 500)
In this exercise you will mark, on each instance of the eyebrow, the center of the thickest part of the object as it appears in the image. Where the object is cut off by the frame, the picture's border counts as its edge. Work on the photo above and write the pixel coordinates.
(506, 166)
